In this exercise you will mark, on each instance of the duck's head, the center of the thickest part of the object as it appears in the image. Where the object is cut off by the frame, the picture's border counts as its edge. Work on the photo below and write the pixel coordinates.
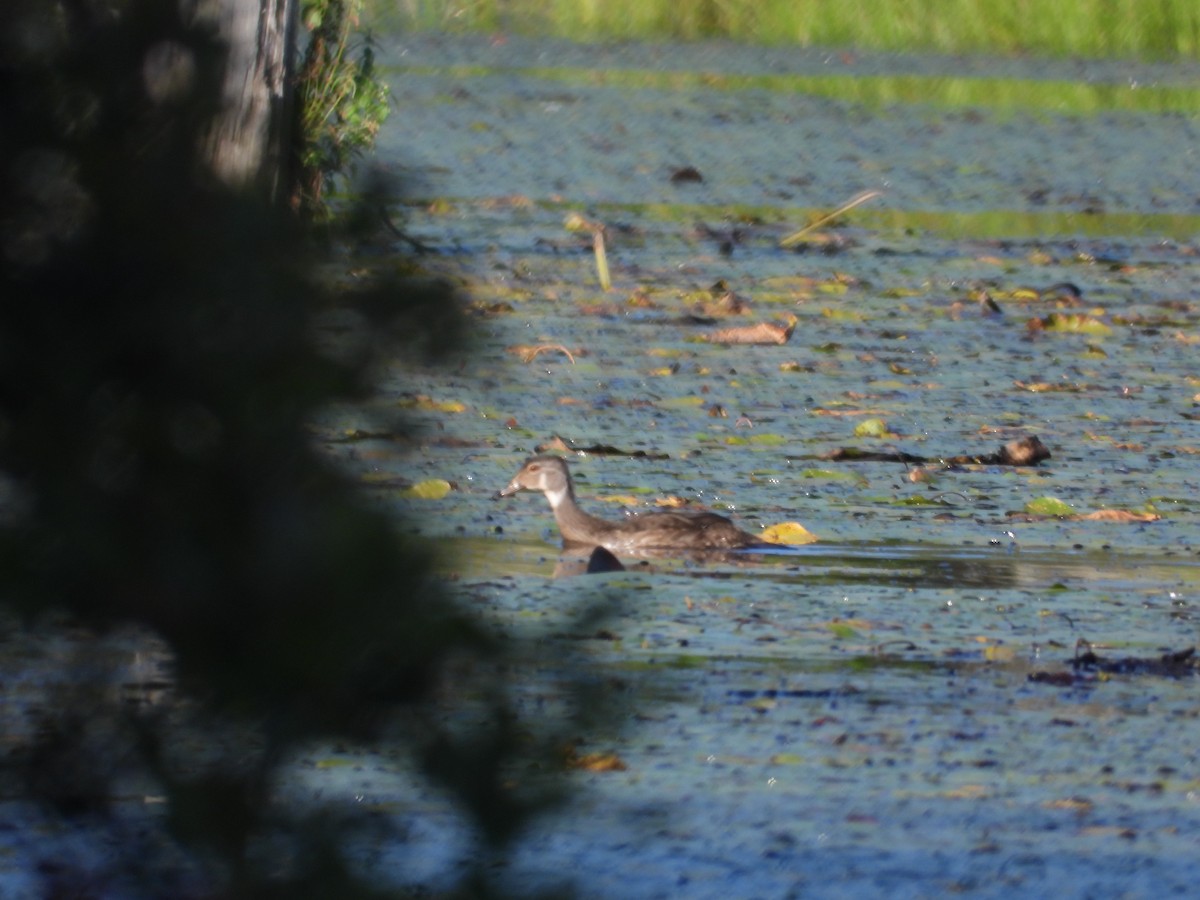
(547, 474)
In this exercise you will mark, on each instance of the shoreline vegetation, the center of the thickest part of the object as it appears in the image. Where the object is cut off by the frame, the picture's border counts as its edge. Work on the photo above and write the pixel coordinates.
(1140, 29)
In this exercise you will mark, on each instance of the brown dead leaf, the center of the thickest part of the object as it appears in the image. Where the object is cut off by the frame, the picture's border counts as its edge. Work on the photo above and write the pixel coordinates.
(1116, 515)
(761, 333)
(599, 309)
(822, 411)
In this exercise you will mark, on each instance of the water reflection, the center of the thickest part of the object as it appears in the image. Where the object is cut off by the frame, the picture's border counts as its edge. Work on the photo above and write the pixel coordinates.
(894, 565)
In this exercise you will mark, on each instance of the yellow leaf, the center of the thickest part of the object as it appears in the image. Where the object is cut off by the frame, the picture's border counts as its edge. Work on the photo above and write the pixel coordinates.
(787, 759)
(790, 533)
(433, 489)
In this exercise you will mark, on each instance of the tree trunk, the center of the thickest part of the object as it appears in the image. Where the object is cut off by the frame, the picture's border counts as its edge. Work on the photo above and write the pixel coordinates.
(249, 144)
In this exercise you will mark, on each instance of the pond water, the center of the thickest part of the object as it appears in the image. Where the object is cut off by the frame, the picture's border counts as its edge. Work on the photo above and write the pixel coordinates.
(863, 714)
(858, 714)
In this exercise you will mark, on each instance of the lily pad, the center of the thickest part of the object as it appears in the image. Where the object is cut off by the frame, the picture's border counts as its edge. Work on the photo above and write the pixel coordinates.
(1049, 506)
(875, 428)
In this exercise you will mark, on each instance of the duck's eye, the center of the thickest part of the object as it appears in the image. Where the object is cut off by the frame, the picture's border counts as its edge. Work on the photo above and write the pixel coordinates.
(534, 467)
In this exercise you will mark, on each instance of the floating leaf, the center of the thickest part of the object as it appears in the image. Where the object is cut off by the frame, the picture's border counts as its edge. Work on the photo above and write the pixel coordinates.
(1049, 506)
(787, 759)
(432, 489)
(920, 500)
(1072, 323)
(842, 630)
(790, 533)
(762, 333)
(623, 499)
(762, 440)
(421, 401)
(1117, 515)
(876, 428)
(680, 402)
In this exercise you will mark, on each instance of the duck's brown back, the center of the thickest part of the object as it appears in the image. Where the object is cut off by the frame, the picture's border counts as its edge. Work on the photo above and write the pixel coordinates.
(680, 530)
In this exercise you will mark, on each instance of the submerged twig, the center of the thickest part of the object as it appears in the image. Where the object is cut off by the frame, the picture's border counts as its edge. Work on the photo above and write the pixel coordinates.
(792, 239)
(532, 354)
(576, 223)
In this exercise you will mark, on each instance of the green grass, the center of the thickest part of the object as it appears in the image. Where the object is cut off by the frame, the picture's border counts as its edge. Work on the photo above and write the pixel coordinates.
(1150, 29)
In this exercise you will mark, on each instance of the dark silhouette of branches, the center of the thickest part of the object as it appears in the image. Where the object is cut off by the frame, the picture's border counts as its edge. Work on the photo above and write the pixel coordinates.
(158, 378)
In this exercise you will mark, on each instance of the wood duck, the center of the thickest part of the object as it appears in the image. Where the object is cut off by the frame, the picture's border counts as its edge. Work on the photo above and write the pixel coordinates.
(665, 530)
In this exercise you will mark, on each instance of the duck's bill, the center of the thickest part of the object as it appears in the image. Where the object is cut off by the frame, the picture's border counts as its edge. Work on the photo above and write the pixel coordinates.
(511, 488)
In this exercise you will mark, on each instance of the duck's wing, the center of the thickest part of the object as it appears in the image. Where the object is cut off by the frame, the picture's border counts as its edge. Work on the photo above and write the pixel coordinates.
(683, 529)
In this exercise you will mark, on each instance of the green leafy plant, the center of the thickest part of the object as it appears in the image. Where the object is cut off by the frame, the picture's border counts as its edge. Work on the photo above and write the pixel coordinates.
(340, 102)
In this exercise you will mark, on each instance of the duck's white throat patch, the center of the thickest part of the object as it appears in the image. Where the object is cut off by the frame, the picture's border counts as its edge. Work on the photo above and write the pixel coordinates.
(556, 497)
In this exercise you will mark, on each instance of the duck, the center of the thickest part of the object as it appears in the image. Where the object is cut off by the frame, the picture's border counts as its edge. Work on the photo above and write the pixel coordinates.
(662, 530)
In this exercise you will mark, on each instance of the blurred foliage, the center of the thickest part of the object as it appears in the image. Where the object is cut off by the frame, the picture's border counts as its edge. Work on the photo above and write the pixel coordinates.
(341, 104)
(158, 377)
